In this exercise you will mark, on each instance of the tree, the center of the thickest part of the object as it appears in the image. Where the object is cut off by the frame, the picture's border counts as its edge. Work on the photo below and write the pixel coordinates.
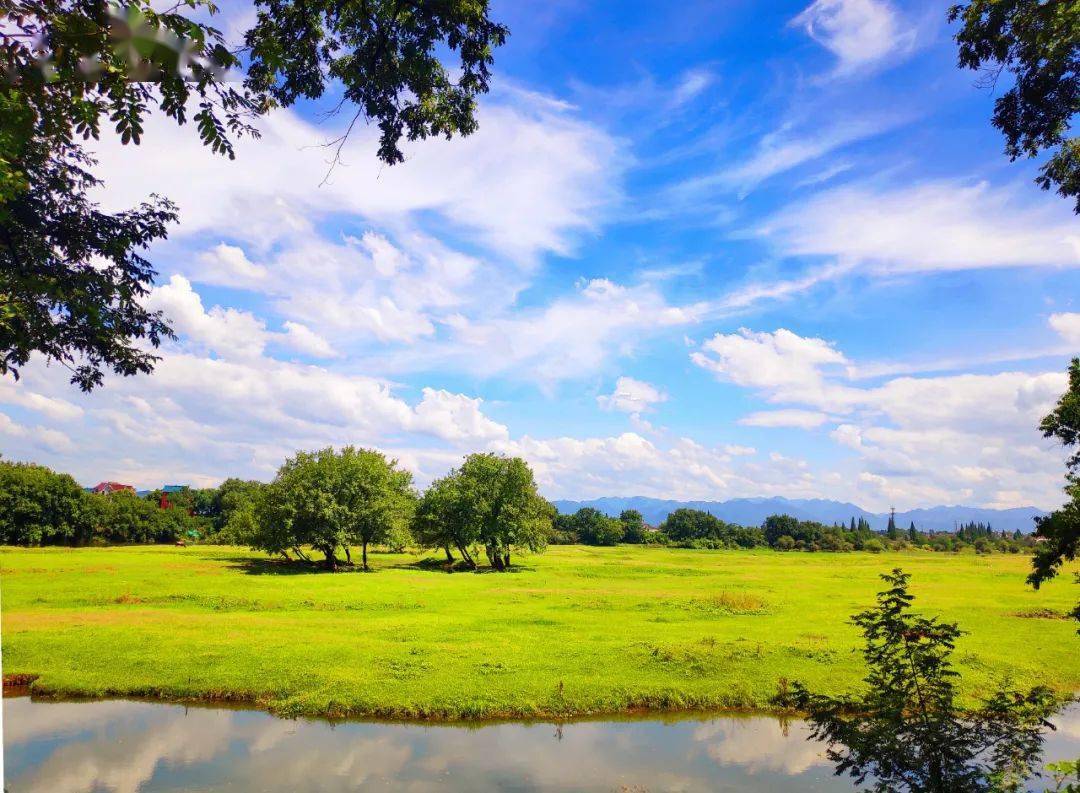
(633, 525)
(72, 277)
(1061, 528)
(906, 733)
(442, 520)
(1038, 43)
(501, 499)
(330, 499)
(593, 527)
(490, 501)
(40, 507)
(891, 531)
(234, 511)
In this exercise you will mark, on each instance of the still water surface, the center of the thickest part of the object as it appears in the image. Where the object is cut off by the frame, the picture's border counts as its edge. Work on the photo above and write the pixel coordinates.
(129, 747)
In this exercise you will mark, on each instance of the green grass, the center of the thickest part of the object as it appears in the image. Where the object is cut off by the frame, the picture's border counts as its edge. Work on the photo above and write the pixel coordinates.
(573, 631)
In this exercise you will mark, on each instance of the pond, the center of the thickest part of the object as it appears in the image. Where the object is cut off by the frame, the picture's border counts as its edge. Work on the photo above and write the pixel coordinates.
(125, 746)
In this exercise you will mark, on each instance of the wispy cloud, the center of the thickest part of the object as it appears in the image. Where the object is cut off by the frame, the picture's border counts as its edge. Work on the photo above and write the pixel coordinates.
(935, 225)
(860, 33)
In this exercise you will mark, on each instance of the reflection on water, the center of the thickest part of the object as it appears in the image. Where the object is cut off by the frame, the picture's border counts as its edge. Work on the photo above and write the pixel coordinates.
(137, 746)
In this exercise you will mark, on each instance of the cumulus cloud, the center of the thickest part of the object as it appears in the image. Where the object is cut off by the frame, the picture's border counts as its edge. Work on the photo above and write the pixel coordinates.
(1068, 325)
(860, 33)
(918, 439)
(228, 332)
(632, 396)
(782, 362)
(209, 417)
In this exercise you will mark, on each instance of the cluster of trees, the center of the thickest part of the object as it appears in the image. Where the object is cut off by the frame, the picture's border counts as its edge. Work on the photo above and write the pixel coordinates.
(330, 500)
(590, 526)
(41, 507)
(694, 528)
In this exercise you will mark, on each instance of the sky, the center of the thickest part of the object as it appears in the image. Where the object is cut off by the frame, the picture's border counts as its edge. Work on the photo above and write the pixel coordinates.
(695, 250)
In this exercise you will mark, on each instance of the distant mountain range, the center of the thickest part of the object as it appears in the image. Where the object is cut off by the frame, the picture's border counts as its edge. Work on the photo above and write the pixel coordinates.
(752, 511)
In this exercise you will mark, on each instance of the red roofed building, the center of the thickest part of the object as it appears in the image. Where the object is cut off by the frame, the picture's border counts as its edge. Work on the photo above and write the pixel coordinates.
(111, 487)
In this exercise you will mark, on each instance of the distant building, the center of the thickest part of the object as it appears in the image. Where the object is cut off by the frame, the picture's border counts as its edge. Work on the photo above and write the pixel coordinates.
(164, 503)
(111, 487)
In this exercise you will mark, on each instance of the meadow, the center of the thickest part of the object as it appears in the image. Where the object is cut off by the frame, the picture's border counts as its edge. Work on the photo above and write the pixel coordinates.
(576, 630)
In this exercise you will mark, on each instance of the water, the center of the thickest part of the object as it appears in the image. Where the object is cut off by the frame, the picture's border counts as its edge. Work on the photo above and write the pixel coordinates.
(128, 747)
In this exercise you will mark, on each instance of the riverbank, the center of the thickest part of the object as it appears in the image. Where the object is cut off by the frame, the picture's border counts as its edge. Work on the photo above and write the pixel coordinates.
(575, 631)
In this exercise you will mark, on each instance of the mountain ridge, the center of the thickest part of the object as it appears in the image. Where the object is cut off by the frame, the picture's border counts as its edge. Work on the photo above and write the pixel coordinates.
(752, 511)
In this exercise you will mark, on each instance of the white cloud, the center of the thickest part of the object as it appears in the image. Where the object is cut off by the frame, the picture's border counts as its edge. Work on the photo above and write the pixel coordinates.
(455, 417)
(206, 418)
(918, 439)
(787, 148)
(527, 182)
(941, 225)
(632, 396)
(304, 340)
(570, 337)
(55, 408)
(1068, 325)
(228, 265)
(792, 417)
(781, 362)
(632, 464)
(860, 33)
(691, 85)
(226, 331)
(38, 437)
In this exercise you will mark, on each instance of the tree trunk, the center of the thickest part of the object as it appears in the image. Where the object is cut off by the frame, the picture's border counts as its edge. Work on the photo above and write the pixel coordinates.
(449, 556)
(365, 555)
(506, 560)
(331, 559)
(469, 561)
(348, 556)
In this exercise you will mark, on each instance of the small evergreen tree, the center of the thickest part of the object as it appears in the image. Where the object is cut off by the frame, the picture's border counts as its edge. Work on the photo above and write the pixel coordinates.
(907, 732)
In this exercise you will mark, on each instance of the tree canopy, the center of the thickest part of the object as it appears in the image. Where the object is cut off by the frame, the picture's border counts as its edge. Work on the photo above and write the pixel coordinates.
(72, 277)
(490, 501)
(907, 733)
(332, 499)
(1038, 43)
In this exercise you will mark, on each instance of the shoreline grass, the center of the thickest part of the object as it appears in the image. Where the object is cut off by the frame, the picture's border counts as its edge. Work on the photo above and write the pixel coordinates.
(576, 631)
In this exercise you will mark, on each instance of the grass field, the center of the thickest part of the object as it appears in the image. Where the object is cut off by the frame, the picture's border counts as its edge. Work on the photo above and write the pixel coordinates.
(575, 630)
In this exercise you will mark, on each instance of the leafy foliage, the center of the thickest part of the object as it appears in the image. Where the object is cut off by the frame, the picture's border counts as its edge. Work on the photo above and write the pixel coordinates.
(907, 732)
(491, 501)
(40, 507)
(72, 276)
(332, 499)
(1060, 530)
(385, 54)
(1038, 42)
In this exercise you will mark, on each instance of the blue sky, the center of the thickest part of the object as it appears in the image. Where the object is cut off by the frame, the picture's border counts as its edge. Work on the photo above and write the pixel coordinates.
(696, 250)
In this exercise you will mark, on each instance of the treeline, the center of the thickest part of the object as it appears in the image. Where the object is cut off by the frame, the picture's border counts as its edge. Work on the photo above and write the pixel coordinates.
(332, 501)
(41, 507)
(693, 528)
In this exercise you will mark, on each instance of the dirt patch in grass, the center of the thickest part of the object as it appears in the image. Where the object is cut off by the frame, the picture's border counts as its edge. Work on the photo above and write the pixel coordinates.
(1041, 614)
(18, 681)
(729, 602)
